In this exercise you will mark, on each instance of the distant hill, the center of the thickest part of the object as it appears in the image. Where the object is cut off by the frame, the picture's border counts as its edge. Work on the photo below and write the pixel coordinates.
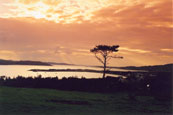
(154, 68)
(11, 62)
(54, 63)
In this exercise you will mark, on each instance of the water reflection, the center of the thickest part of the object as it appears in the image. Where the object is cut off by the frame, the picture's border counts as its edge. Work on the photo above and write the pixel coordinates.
(15, 70)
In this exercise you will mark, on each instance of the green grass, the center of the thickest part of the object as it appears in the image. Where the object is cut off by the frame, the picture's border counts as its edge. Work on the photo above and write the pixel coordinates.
(26, 101)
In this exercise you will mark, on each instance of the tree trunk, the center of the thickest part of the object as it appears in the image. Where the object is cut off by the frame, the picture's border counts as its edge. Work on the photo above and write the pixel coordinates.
(104, 66)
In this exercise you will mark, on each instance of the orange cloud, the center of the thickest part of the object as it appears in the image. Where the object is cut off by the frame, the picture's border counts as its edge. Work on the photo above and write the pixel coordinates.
(53, 10)
(134, 50)
(69, 11)
(35, 28)
(167, 50)
(8, 54)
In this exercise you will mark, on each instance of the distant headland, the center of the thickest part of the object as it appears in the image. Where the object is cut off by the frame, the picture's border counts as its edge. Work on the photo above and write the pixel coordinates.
(11, 62)
(152, 68)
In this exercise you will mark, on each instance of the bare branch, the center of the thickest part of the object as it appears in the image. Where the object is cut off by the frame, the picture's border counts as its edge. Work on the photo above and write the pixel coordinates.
(99, 58)
(108, 59)
(115, 57)
(101, 52)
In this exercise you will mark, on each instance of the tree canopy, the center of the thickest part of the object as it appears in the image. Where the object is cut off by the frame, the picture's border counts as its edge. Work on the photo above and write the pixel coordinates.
(105, 48)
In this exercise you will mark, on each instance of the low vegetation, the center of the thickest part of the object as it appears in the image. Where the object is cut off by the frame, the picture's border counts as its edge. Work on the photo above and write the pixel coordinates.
(158, 85)
(28, 101)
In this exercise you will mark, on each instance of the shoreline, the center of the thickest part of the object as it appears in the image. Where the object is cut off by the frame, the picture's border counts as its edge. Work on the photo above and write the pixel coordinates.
(88, 70)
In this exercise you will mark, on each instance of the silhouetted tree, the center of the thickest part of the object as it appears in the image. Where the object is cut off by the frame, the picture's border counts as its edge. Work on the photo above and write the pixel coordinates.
(106, 53)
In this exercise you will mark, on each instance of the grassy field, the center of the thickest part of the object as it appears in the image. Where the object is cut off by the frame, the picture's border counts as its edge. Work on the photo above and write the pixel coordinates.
(26, 101)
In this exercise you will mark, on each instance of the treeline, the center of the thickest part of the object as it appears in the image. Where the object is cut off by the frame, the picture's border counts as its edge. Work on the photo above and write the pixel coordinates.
(155, 68)
(158, 85)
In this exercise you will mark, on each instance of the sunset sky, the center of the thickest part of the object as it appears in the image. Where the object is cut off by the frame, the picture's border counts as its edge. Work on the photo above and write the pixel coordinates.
(66, 30)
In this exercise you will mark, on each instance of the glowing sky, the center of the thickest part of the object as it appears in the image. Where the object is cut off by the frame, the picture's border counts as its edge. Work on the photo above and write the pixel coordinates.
(65, 30)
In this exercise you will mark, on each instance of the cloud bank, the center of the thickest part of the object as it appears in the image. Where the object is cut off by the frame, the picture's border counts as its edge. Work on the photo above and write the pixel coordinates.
(65, 30)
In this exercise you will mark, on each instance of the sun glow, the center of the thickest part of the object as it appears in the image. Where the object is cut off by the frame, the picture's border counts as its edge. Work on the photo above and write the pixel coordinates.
(63, 11)
(59, 11)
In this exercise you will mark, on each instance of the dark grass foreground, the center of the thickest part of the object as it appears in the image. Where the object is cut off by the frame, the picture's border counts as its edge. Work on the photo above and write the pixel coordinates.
(28, 101)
